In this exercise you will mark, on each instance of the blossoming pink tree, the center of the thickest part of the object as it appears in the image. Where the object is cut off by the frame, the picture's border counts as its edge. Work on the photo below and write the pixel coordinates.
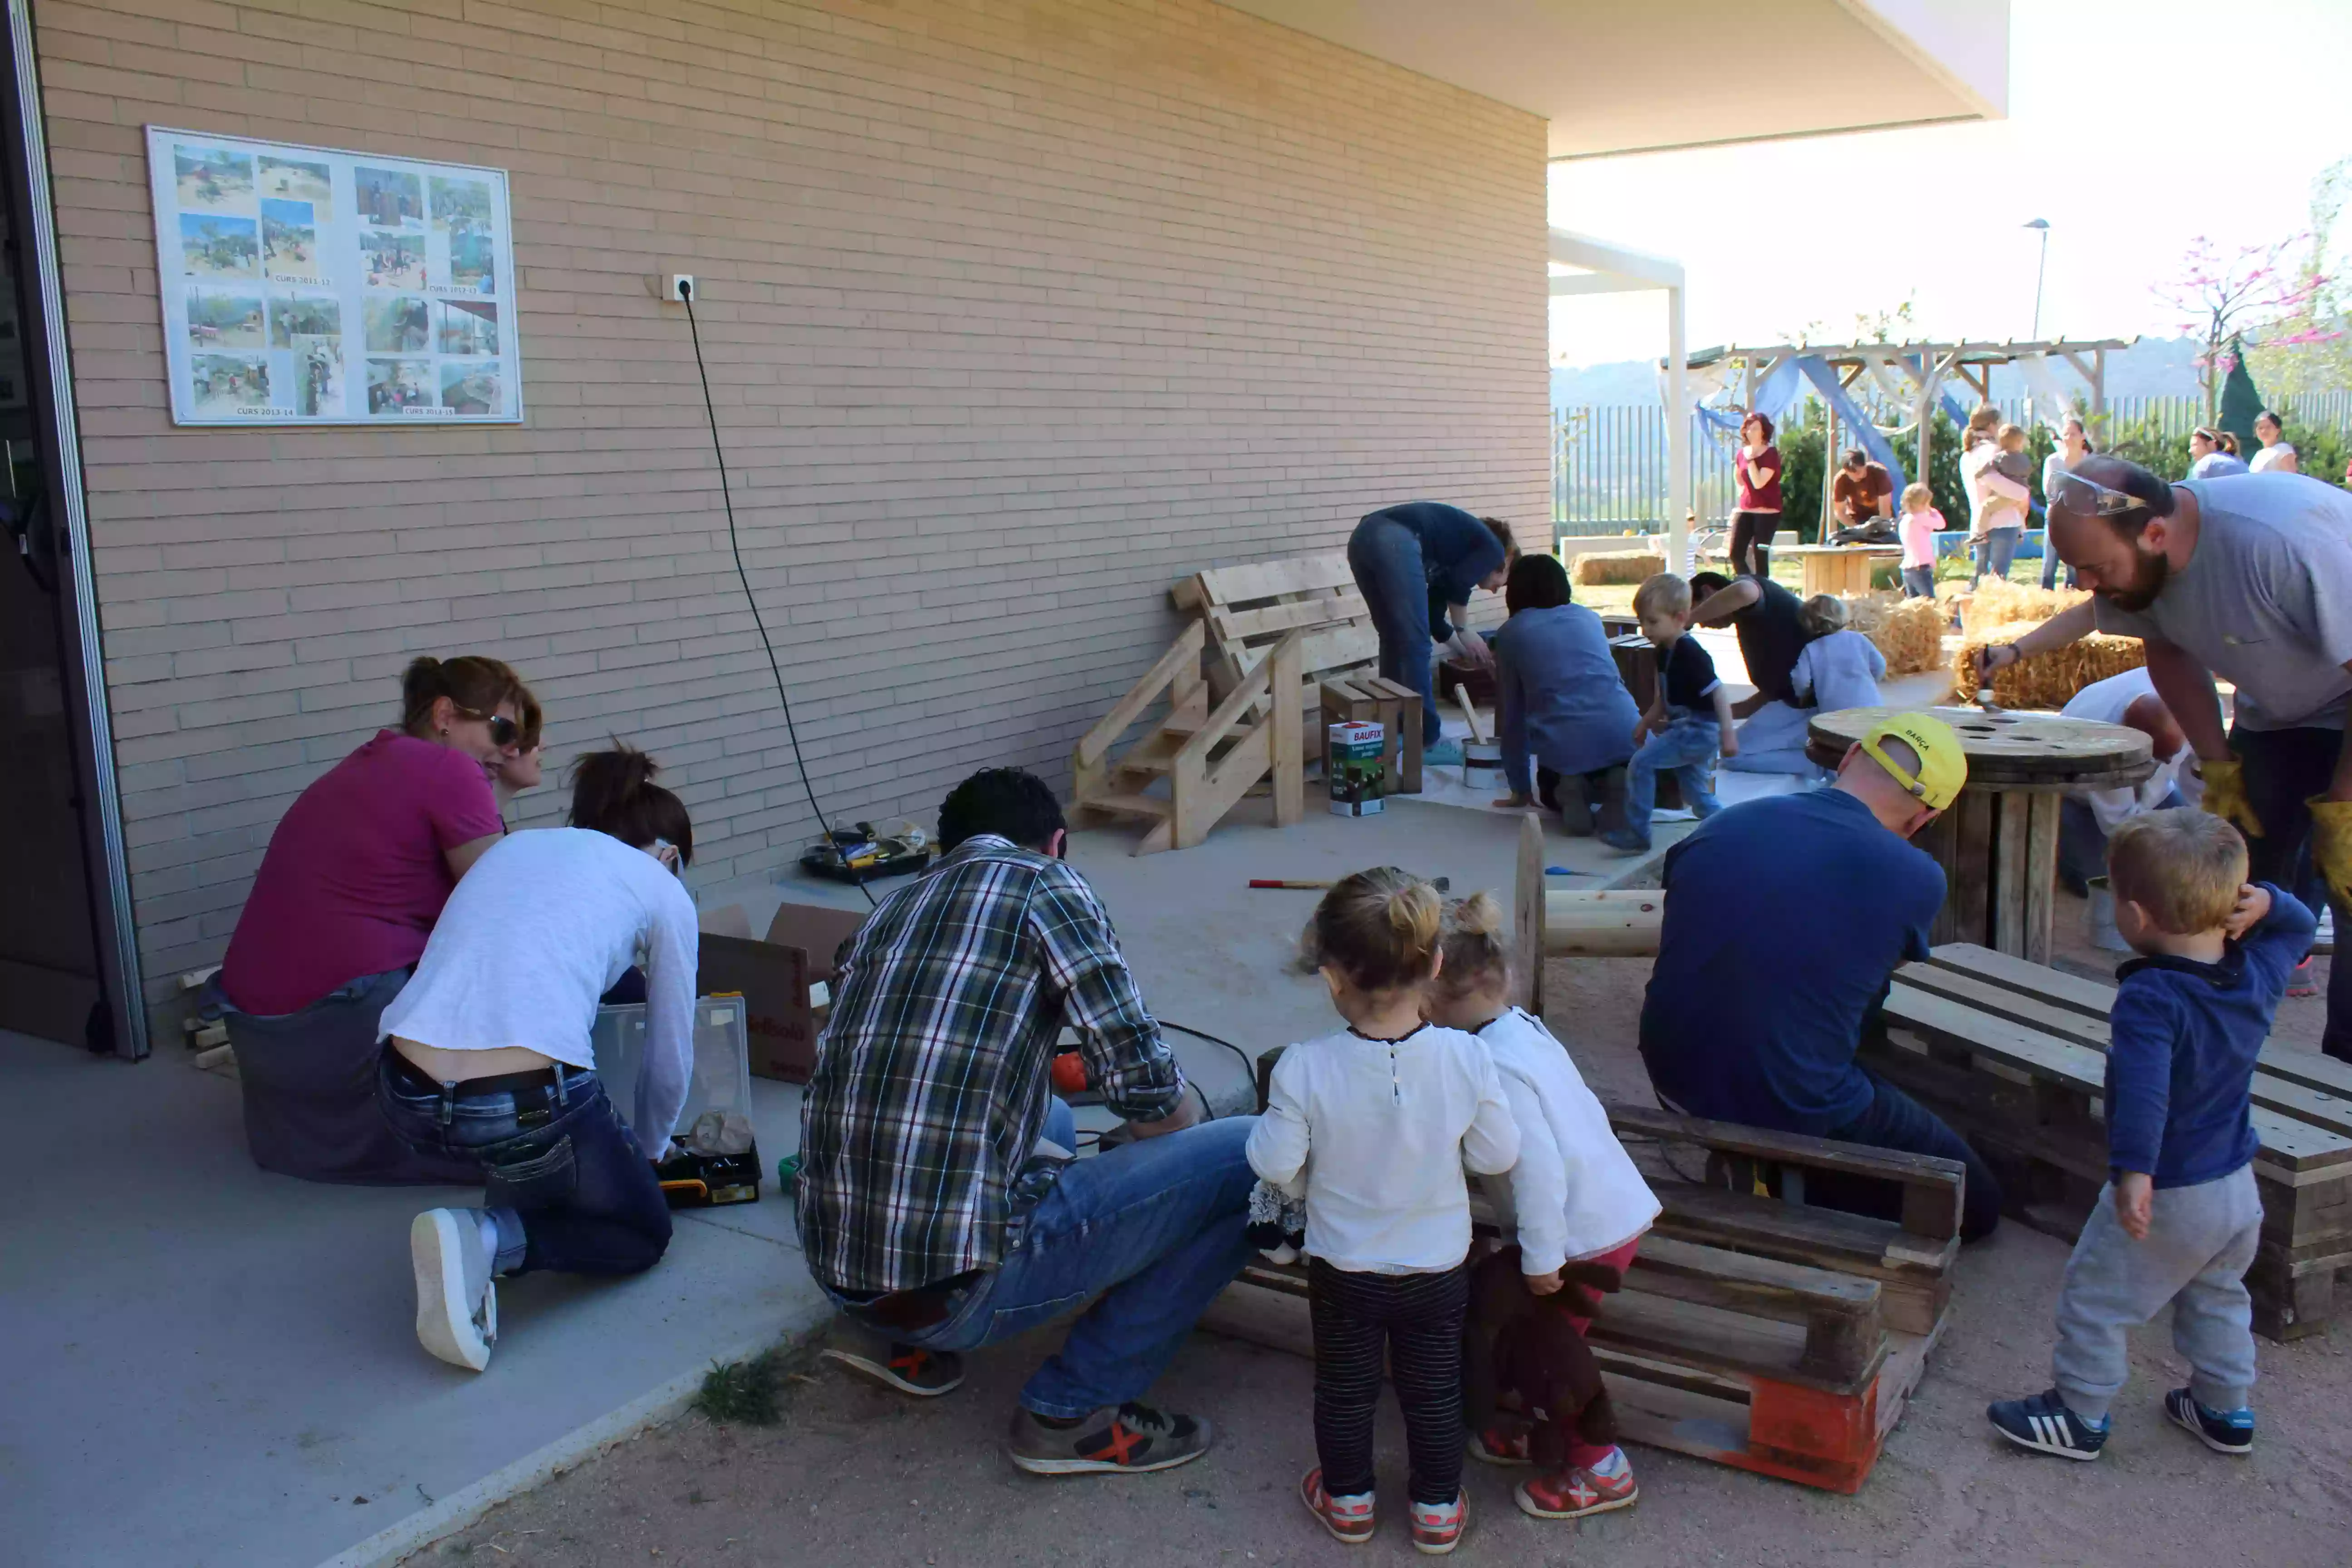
(2258, 291)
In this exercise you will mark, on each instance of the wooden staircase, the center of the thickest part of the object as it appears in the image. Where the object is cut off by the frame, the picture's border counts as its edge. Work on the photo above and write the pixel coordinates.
(1210, 759)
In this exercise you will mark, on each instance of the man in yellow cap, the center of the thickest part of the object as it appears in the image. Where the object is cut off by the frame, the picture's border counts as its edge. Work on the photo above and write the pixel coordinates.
(1785, 918)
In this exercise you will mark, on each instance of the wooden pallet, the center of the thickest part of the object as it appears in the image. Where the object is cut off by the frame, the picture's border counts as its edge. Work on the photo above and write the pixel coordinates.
(1753, 1331)
(1209, 758)
(2014, 1056)
(1246, 610)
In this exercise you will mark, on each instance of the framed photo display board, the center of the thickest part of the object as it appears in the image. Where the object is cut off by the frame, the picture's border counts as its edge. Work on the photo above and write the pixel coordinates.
(303, 286)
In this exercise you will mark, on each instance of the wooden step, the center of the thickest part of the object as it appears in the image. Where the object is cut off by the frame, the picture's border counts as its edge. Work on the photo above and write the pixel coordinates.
(1125, 804)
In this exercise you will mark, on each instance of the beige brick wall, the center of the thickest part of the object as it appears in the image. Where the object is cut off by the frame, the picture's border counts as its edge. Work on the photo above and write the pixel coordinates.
(1015, 313)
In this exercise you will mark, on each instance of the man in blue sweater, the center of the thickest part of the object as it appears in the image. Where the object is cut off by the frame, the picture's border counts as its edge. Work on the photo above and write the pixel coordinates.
(2179, 1219)
(1785, 919)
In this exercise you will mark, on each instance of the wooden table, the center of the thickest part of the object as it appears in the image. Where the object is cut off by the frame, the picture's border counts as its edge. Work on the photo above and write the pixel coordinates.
(1999, 842)
(1840, 568)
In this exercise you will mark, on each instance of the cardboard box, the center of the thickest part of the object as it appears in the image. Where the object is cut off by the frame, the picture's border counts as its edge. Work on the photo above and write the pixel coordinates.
(774, 977)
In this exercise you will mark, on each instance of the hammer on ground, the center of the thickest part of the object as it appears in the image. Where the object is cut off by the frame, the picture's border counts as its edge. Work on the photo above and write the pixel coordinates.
(1441, 883)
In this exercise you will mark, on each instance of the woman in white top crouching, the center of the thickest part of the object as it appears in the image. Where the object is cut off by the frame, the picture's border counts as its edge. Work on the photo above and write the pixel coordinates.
(1374, 1125)
(487, 1053)
(1573, 1196)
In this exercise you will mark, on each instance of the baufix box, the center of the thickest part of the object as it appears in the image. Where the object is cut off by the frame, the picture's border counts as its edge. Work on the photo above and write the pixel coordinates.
(774, 977)
(1353, 774)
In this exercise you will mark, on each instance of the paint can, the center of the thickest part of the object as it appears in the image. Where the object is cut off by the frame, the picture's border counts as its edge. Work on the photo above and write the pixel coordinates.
(1482, 762)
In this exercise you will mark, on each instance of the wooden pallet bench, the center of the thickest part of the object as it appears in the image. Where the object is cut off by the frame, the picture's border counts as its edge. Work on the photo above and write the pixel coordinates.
(1753, 1331)
(2014, 1056)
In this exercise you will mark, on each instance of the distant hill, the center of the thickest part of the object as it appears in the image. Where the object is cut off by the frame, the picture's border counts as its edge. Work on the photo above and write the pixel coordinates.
(2153, 367)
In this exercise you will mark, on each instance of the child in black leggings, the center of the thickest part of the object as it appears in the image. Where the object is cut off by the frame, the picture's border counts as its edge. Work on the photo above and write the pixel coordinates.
(1374, 1125)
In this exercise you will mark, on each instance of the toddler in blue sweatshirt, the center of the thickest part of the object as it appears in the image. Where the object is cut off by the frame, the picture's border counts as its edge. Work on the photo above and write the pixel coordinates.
(2178, 1219)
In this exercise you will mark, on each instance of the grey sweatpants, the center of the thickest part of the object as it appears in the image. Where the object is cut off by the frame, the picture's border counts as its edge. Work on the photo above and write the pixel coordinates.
(2199, 1245)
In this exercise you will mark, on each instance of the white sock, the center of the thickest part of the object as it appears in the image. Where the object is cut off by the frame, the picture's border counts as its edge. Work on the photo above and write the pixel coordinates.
(1612, 1466)
(487, 1223)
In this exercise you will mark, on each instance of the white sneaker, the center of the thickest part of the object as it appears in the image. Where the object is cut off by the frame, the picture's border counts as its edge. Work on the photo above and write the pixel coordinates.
(456, 1300)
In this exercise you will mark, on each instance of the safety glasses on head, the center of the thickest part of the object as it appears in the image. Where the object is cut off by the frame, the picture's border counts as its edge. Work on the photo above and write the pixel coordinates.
(2089, 498)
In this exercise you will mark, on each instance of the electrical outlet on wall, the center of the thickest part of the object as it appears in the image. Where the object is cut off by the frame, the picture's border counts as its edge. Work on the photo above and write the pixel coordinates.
(682, 287)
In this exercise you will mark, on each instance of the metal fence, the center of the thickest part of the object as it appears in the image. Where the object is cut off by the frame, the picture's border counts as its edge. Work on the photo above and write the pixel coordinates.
(1609, 463)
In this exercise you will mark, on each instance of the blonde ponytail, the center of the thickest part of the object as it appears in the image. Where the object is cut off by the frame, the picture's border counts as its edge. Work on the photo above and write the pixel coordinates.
(1379, 929)
(1476, 946)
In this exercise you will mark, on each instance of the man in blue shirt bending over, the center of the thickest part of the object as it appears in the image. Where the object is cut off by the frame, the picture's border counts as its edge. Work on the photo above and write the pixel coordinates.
(1785, 918)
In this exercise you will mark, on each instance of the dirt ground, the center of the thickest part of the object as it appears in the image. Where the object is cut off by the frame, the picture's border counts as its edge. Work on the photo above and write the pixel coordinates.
(856, 1475)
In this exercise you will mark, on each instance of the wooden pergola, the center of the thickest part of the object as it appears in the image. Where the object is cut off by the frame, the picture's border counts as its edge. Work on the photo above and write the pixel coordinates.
(1913, 374)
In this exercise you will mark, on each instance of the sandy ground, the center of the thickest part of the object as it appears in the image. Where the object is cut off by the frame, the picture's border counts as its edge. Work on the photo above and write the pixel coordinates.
(856, 1475)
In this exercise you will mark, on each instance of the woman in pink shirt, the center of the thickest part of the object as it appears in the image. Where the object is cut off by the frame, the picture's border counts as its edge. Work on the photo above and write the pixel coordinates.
(1756, 467)
(354, 877)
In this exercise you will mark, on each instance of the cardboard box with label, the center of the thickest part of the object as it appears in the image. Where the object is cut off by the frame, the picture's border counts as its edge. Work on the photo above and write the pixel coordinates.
(774, 977)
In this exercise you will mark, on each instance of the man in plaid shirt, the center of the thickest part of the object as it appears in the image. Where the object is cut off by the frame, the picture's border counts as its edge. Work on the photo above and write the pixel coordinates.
(939, 1203)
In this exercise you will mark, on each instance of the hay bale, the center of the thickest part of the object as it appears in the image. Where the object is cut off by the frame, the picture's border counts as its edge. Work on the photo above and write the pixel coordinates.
(1908, 633)
(1601, 567)
(2045, 679)
(1995, 602)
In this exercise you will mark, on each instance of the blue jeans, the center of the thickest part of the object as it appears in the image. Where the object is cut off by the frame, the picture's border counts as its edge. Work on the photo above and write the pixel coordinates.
(1685, 748)
(562, 1175)
(1919, 581)
(2283, 770)
(1385, 556)
(1154, 1228)
(1994, 553)
(1894, 1121)
(2049, 564)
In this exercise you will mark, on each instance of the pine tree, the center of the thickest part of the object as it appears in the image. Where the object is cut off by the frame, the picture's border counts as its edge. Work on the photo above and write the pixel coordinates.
(2239, 400)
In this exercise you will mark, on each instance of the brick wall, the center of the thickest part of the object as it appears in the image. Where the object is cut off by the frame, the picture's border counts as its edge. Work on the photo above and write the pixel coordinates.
(1014, 314)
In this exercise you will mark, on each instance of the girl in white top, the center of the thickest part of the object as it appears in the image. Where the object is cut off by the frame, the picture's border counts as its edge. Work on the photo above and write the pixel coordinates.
(1573, 1196)
(487, 1053)
(1374, 1123)
(2277, 453)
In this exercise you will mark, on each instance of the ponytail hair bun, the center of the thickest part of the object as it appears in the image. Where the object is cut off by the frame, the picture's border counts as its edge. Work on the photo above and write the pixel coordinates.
(1476, 945)
(1379, 929)
(614, 793)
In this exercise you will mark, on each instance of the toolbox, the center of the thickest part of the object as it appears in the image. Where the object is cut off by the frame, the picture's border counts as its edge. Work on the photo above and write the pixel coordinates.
(716, 1159)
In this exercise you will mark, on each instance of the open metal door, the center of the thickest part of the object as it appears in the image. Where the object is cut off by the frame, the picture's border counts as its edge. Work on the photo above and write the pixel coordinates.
(68, 957)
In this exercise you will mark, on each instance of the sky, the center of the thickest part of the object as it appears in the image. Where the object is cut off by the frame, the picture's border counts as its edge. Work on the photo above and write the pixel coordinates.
(2134, 126)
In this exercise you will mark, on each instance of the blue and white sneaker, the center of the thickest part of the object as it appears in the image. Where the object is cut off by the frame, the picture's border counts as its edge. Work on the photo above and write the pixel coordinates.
(1625, 841)
(2223, 1431)
(2045, 1424)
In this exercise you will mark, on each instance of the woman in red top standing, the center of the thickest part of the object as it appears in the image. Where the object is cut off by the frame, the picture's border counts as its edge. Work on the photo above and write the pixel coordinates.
(355, 876)
(1756, 465)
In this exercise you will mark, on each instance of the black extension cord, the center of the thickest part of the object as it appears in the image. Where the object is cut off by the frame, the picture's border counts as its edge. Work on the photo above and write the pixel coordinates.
(686, 296)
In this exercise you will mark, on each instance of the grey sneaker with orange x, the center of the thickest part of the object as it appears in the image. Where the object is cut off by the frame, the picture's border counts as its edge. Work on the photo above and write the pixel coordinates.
(1130, 1438)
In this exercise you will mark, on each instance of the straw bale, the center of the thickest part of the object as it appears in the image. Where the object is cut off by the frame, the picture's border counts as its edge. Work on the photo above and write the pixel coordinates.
(1597, 567)
(1996, 603)
(1908, 633)
(2046, 679)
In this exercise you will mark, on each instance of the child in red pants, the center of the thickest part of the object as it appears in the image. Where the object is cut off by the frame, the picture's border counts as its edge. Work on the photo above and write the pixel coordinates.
(1574, 1197)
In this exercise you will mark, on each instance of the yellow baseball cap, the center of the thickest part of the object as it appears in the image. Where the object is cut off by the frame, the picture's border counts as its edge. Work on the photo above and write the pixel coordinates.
(1943, 764)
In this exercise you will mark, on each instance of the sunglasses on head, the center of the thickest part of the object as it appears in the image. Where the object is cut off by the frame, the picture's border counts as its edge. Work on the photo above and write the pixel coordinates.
(2089, 498)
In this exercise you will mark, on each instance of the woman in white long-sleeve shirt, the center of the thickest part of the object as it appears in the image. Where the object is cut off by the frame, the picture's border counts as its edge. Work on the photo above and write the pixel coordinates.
(487, 1055)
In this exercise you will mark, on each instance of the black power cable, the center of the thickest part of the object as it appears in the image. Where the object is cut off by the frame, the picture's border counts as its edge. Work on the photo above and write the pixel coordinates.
(1249, 1068)
(686, 296)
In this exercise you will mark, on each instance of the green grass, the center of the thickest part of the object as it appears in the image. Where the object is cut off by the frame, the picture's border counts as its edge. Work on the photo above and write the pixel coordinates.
(745, 1393)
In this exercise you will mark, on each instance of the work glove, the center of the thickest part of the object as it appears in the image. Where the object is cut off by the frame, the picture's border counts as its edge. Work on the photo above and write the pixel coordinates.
(2225, 795)
(2331, 845)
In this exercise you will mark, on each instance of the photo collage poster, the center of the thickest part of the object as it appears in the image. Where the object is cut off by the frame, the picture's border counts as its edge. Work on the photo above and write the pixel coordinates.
(306, 286)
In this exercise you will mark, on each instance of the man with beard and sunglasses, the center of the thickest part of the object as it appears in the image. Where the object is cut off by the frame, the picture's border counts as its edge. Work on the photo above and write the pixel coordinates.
(354, 878)
(2249, 578)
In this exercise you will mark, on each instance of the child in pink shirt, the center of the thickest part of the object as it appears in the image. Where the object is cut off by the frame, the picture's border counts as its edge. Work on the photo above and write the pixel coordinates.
(1917, 530)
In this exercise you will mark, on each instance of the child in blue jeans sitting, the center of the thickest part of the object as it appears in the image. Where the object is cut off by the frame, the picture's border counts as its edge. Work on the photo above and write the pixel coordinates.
(1689, 720)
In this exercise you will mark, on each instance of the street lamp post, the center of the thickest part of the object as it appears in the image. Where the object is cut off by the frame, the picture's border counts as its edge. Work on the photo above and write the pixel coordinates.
(2041, 268)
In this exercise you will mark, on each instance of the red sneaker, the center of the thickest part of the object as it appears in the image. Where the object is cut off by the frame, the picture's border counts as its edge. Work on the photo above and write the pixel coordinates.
(1437, 1527)
(1575, 1492)
(1349, 1518)
(1502, 1445)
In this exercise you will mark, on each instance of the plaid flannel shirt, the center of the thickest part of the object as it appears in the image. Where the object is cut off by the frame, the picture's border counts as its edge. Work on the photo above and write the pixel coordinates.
(931, 1078)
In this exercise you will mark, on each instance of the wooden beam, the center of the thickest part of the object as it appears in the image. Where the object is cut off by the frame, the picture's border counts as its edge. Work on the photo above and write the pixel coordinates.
(1528, 900)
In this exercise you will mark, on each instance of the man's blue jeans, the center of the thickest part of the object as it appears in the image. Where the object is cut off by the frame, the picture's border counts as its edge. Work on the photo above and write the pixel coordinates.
(1685, 748)
(1155, 1228)
(1385, 556)
(1893, 1120)
(561, 1173)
